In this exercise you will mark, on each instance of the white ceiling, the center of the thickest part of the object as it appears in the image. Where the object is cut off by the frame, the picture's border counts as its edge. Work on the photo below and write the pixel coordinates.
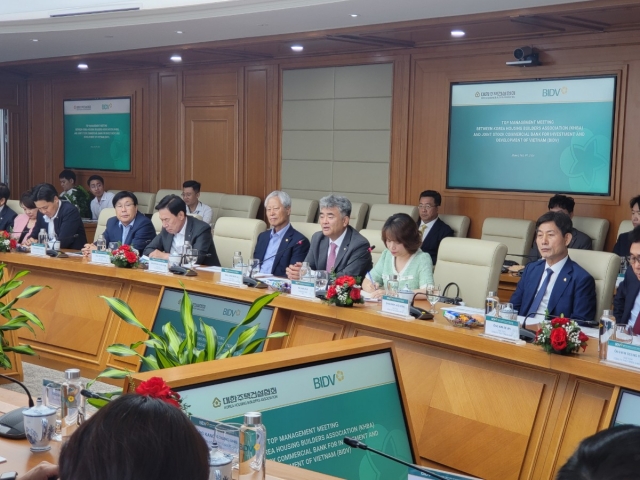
(156, 22)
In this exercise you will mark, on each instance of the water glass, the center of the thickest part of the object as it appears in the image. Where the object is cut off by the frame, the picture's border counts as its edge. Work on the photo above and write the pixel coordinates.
(433, 295)
(175, 259)
(624, 334)
(322, 279)
(505, 311)
(190, 257)
(392, 288)
(51, 398)
(228, 439)
(113, 246)
(254, 266)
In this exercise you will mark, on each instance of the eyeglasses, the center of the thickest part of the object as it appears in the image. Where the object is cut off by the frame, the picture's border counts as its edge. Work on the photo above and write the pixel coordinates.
(426, 206)
(632, 260)
(125, 206)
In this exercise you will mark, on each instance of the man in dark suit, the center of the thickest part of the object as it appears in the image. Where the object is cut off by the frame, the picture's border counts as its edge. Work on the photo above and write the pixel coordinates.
(623, 244)
(57, 217)
(432, 229)
(128, 227)
(177, 228)
(338, 247)
(7, 216)
(555, 283)
(579, 240)
(626, 304)
(282, 245)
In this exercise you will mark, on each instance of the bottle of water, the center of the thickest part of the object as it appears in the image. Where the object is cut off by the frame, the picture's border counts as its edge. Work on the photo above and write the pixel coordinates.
(43, 238)
(237, 260)
(607, 329)
(305, 271)
(72, 402)
(253, 443)
(491, 303)
(101, 243)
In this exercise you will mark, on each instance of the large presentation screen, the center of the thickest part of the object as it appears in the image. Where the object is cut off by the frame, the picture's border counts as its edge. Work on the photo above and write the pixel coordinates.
(532, 136)
(309, 409)
(97, 134)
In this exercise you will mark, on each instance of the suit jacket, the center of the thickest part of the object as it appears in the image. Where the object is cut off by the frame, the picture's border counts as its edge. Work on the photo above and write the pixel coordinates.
(431, 242)
(626, 296)
(353, 258)
(579, 240)
(623, 245)
(289, 252)
(198, 233)
(141, 233)
(68, 226)
(7, 216)
(573, 294)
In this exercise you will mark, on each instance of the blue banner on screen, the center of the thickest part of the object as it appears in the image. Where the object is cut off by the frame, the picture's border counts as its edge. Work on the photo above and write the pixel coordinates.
(534, 136)
(97, 134)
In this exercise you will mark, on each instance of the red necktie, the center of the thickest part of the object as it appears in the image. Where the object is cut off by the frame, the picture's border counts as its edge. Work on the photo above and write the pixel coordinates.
(331, 261)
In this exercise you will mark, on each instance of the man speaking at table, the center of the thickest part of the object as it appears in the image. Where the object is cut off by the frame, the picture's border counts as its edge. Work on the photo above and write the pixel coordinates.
(338, 247)
(177, 228)
(556, 283)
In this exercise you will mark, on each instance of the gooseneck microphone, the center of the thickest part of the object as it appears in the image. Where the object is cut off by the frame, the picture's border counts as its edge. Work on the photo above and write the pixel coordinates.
(525, 334)
(89, 394)
(12, 423)
(353, 443)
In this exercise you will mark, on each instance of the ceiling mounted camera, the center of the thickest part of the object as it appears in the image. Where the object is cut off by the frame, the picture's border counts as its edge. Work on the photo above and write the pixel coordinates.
(525, 57)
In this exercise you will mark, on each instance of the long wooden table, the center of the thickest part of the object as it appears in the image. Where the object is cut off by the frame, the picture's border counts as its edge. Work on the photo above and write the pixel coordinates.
(481, 407)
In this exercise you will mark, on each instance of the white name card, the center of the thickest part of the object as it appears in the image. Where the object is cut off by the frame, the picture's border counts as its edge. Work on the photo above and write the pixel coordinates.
(623, 353)
(395, 306)
(158, 265)
(39, 249)
(501, 328)
(102, 258)
(231, 276)
(303, 289)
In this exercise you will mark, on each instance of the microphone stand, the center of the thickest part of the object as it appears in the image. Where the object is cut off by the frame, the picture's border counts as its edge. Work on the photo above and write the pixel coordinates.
(14, 420)
(527, 335)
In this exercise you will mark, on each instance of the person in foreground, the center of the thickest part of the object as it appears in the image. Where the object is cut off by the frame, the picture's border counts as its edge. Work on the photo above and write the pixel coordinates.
(621, 248)
(611, 454)
(338, 247)
(282, 245)
(135, 437)
(626, 304)
(555, 283)
(177, 228)
(57, 217)
(402, 257)
(128, 227)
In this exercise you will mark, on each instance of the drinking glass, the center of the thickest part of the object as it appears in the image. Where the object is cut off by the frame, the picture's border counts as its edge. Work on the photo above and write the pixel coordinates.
(254, 266)
(175, 259)
(392, 288)
(52, 399)
(228, 439)
(322, 279)
(505, 310)
(624, 333)
(191, 257)
(433, 295)
(113, 246)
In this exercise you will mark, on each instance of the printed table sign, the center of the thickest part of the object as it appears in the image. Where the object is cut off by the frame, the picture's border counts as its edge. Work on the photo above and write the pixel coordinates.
(231, 276)
(395, 306)
(158, 265)
(102, 258)
(39, 250)
(502, 328)
(623, 353)
(303, 289)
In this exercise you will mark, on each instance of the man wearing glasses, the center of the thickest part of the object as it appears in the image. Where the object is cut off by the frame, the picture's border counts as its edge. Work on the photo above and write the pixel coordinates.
(626, 304)
(431, 228)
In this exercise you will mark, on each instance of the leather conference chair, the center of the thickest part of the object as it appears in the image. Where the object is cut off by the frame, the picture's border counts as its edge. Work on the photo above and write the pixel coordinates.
(474, 265)
(625, 226)
(213, 200)
(303, 210)
(603, 267)
(458, 223)
(105, 215)
(375, 239)
(307, 229)
(234, 234)
(163, 192)
(157, 224)
(15, 206)
(516, 234)
(596, 228)
(146, 202)
(241, 206)
(379, 213)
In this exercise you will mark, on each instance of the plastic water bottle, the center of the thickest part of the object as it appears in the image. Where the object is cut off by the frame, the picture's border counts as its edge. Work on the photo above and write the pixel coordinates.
(101, 243)
(491, 304)
(607, 329)
(253, 443)
(237, 260)
(43, 238)
(72, 402)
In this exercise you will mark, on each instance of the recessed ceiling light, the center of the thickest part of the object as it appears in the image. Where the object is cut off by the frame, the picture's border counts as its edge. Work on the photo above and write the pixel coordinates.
(354, 15)
(297, 48)
(179, 32)
(34, 39)
(176, 58)
(83, 66)
(457, 33)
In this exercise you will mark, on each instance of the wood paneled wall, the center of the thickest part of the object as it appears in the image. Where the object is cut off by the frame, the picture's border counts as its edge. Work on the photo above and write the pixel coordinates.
(221, 124)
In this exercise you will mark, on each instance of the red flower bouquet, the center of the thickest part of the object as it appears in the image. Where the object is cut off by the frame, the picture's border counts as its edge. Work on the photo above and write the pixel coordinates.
(125, 256)
(156, 388)
(6, 242)
(561, 335)
(345, 292)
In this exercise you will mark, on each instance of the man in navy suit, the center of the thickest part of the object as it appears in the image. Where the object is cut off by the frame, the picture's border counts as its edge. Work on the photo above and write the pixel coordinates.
(57, 217)
(626, 304)
(282, 245)
(7, 216)
(555, 283)
(623, 244)
(432, 229)
(128, 227)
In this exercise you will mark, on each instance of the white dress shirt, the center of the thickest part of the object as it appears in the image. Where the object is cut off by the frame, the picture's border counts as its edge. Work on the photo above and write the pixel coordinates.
(178, 240)
(204, 211)
(97, 206)
(51, 229)
(556, 273)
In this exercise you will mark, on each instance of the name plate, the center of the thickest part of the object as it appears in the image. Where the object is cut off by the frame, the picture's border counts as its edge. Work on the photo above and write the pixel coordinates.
(102, 258)
(501, 328)
(231, 276)
(158, 265)
(303, 289)
(623, 353)
(395, 306)
(39, 249)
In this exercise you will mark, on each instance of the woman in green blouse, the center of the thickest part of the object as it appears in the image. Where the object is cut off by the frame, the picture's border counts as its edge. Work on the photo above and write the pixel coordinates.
(402, 257)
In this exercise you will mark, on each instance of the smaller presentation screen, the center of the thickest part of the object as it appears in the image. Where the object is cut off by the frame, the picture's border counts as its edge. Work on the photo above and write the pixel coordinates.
(628, 409)
(97, 134)
(532, 136)
(309, 409)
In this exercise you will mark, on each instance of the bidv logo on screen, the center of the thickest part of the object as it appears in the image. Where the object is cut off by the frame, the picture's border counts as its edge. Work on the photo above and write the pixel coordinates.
(107, 106)
(325, 381)
(554, 92)
(230, 312)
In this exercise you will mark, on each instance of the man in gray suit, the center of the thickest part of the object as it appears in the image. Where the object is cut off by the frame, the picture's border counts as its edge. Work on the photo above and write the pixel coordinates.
(177, 228)
(338, 246)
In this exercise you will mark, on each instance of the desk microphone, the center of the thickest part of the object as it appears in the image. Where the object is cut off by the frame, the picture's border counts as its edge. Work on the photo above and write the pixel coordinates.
(12, 423)
(353, 443)
(89, 394)
(52, 252)
(525, 334)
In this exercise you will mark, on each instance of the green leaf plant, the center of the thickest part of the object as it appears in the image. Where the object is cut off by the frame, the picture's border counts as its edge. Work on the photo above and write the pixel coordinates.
(16, 318)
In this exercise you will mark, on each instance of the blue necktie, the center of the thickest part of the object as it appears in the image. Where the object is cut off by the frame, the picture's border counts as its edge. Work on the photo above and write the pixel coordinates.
(540, 294)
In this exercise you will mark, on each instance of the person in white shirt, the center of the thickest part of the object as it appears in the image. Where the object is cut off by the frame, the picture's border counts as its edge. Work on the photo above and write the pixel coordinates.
(191, 196)
(101, 199)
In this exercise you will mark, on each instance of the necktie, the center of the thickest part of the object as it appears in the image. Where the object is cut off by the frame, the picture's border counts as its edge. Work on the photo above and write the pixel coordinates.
(636, 326)
(423, 227)
(331, 261)
(540, 294)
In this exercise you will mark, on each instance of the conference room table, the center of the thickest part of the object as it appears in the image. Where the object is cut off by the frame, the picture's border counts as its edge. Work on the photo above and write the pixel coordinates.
(475, 405)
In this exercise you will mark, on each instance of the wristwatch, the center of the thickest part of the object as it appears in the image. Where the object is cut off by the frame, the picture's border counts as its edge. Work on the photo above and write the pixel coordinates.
(9, 476)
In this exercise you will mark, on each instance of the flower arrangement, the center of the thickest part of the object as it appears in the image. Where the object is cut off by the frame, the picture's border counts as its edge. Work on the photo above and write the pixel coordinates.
(345, 292)
(561, 335)
(6, 242)
(155, 387)
(125, 256)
